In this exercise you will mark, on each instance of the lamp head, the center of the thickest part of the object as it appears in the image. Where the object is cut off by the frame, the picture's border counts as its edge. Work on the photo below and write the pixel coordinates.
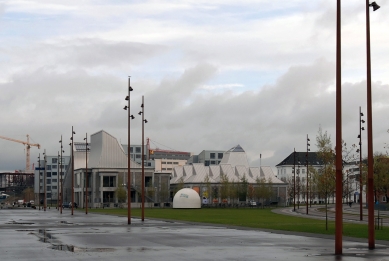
(132, 117)
(141, 105)
(362, 121)
(130, 88)
(363, 128)
(125, 107)
(145, 121)
(375, 6)
(359, 136)
(127, 97)
(140, 113)
(361, 114)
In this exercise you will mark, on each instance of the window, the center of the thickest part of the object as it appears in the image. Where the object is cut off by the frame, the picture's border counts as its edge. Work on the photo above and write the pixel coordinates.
(137, 156)
(212, 162)
(48, 188)
(54, 187)
(109, 181)
(54, 167)
(48, 195)
(138, 150)
(212, 155)
(54, 160)
(149, 164)
(54, 173)
(54, 180)
(176, 162)
(220, 155)
(131, 150)
(48, 174)
(303, 171)
(48, 181)
(48, 167)
(206, 163)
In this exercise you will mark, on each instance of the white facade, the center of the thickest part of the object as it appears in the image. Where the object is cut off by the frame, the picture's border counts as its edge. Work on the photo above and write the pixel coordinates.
(51, 170)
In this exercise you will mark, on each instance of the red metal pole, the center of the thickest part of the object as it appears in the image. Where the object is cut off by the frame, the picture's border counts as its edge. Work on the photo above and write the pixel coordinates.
(339, 176)
(86, 173)
(129, 159)
(360, 166)
(370, 180)
(143, 161)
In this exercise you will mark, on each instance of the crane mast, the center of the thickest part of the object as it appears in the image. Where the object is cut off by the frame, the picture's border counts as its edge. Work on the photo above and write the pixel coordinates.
(28, 146)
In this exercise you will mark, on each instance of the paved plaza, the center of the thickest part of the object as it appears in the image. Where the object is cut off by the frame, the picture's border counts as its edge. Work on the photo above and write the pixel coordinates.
(30, 234)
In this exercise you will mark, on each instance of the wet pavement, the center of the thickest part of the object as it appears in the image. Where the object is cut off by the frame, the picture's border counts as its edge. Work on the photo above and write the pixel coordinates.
(29, 234)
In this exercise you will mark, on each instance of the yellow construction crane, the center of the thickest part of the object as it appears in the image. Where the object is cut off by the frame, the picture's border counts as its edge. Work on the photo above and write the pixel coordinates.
(28, 146)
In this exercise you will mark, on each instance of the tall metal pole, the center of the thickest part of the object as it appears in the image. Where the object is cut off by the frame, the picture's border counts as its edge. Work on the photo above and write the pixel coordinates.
(370, 161)
(294, 179)
(143, 160)
(72, 148)
(44, 182)
(58, 187)
(129, 117)
(39, 181)
(60, 176)
(338, 207)
(86, 173)
(360, 166)
(307, 174)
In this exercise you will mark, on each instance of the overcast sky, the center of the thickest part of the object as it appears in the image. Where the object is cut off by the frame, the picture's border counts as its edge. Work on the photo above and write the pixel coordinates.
(214, 74)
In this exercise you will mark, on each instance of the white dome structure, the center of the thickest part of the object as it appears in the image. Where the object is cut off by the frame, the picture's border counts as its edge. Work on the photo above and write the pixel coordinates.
(186, 198)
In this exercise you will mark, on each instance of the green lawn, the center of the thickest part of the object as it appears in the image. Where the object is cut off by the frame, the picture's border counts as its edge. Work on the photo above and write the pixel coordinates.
(255, 218)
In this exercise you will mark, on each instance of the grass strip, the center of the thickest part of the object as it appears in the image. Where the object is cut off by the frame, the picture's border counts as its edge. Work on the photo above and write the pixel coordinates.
(252, 218)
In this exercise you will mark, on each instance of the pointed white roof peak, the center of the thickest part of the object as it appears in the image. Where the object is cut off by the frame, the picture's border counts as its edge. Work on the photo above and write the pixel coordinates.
(235, 156)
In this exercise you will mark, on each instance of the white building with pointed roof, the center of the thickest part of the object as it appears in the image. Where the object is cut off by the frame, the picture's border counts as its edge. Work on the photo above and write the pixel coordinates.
(107, 170)
(234, 167)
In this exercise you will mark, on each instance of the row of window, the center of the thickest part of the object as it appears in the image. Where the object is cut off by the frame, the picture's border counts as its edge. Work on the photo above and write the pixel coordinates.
(50, 167)
(213, 155)
(167, 162)
(212, 162)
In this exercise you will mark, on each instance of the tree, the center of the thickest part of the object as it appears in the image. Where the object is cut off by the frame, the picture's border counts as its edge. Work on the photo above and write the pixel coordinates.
(207, 192)
(224, 187)
(325, 179)
(120, 192)
(28, 194)
(243, 188)
(381, 176)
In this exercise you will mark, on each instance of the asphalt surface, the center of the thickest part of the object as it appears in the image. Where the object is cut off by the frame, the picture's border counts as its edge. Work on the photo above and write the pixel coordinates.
(29, 234)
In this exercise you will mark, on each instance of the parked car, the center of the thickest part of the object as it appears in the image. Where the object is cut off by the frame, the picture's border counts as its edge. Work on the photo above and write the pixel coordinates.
(252, 203)
(65, 205)
(75, 205)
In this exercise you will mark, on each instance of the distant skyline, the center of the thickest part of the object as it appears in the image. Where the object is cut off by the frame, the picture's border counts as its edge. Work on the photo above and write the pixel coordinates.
(214, 74)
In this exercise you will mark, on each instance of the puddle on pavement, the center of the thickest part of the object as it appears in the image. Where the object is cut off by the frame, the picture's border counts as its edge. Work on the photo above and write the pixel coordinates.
(65, 222)
(47, 237)
(13, 222)
(70, 248)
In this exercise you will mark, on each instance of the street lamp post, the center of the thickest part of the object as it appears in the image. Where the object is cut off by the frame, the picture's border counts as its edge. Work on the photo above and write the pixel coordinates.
(60, 177)
(370, 161)
(86, 173)
(306, 158)
(44, 182)
(130, 117)
(39, 181)
(58, 187)
(294, 179)
(339, 176)
(142, 112)
(360, 163)
(72, 150)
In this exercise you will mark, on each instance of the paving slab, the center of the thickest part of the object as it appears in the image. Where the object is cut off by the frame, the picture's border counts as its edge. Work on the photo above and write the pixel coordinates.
(29, 234)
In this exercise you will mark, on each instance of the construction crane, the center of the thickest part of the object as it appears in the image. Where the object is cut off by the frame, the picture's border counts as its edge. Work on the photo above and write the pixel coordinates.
(28, 146)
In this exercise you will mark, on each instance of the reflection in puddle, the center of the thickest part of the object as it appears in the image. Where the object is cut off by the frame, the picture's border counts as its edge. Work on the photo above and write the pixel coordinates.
(71, 248)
